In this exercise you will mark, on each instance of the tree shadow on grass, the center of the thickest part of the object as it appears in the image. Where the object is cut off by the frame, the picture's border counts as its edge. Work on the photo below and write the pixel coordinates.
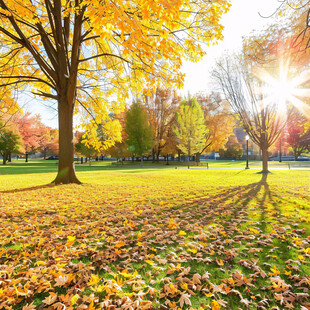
(243, 195)
(257, 196)
(254, 205)
(28, 189)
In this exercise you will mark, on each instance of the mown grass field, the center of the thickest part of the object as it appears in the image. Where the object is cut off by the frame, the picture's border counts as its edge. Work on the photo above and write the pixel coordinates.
(131, 238)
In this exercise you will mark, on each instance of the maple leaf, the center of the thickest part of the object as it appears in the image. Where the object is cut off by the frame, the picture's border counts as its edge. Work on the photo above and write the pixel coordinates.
(61, 280)
(58, 306)
(29, 307)
(196, 278)
(185, 299)
(94, 279)
(206, 276)
(274, 272)
(50, 299)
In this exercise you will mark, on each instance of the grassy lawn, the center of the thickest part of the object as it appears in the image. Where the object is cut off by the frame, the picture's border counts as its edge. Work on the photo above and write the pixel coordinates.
(131, 238)
(43, 166)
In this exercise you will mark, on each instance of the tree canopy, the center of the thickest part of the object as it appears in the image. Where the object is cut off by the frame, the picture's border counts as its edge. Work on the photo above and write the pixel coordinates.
(190, 129)
(86, 54)
(258, 113)
(9, 142)
(140, 133)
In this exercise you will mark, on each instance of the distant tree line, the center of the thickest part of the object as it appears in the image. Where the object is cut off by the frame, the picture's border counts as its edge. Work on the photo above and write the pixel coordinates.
(23, 134)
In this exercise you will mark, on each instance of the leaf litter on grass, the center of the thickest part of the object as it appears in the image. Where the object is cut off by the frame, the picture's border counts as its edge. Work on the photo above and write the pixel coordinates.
(85, 247)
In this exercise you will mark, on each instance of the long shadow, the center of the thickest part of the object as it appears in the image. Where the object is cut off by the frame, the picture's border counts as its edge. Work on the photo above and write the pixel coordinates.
(28, 189)
(245, 193)
(267, 210)
(240, 197)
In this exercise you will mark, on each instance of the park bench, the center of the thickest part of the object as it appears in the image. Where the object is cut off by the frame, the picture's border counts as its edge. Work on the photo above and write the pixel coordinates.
(192, 164)
(298, 165)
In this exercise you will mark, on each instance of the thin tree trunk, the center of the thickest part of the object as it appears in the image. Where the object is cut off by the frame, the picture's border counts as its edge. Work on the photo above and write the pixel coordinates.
(26, 160)
(10, 158)
(197, 158)
(265, 160)
(66, 170)
(142, 161)
(264, 144)
(4, 156)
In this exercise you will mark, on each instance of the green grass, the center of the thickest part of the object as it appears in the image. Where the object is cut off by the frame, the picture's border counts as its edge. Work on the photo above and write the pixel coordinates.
(46, 166)
(216, 221)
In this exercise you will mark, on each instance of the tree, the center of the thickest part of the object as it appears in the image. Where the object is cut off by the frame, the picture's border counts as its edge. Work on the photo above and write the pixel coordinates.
(8, 105)
(170, 144)
(298, 133)
(161, 108)
(297, 21)
(48, 143)
(257, 111)
(233, 149)
(218, 120)
(86, 54)
(190, 129)
(9, 142)
(83, 149)
(139, 131)
(31, 130)
(120, 149)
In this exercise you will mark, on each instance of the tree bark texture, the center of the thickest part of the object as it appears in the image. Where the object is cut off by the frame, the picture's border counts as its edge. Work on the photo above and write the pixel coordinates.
(66, 170)
(265, 158)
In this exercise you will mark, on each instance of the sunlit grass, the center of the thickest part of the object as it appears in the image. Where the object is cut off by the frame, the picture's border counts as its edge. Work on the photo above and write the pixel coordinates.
(165, 220)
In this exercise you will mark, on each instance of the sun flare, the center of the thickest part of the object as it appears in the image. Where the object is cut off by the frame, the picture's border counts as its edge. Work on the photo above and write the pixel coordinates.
(283, 91)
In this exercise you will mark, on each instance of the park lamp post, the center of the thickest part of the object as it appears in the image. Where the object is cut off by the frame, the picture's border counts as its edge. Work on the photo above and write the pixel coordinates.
(280, 157)
(247, 151)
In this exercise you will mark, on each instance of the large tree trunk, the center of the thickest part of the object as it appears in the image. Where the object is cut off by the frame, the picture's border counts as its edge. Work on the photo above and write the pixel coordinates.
(66, 170)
